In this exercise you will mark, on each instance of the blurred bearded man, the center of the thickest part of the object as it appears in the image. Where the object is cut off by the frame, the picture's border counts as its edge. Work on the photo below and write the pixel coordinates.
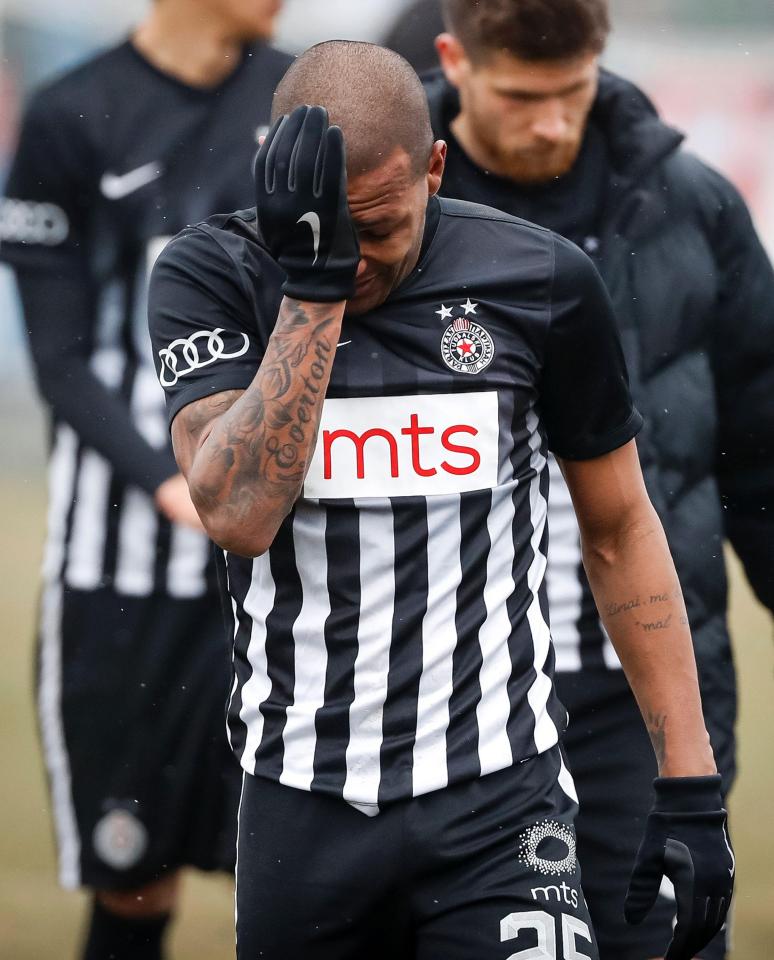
(536, 129)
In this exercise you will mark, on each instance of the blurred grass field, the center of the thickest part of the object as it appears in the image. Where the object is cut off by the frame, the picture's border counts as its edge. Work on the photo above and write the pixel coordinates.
(40, 922)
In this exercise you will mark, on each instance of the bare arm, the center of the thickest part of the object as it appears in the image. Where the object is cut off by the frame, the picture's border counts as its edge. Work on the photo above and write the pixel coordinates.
(245, 454)
(638, 594)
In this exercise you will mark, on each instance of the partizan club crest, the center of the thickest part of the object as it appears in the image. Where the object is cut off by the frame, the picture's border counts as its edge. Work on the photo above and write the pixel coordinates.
(466, 347)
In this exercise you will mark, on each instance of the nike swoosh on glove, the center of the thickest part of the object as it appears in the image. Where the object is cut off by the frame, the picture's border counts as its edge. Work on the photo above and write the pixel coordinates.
(686, 839)
(303, 214)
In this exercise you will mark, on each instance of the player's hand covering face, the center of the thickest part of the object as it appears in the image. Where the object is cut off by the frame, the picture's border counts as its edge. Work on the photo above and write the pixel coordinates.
(686, 839)
(301, 198)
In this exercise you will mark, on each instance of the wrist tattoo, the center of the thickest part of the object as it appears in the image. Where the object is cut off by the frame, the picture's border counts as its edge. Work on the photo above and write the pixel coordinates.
(656, 725)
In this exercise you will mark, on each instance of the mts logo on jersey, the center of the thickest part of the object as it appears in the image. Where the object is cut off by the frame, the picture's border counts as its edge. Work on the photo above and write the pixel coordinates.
(405, 446)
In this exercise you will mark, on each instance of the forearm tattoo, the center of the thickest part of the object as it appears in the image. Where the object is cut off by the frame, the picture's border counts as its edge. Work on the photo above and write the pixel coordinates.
(653, 612)
(254, 460)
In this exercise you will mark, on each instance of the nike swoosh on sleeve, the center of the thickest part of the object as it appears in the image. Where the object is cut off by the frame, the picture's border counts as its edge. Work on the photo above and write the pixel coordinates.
(114, 186)
(314, 222)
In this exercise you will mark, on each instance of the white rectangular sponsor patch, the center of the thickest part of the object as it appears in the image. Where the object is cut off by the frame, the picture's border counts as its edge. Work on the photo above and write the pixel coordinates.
(405, 446)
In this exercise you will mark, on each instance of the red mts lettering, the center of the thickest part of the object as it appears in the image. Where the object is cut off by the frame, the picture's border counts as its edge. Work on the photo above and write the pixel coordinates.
(415, 431)
(471, 452)
(360, 442)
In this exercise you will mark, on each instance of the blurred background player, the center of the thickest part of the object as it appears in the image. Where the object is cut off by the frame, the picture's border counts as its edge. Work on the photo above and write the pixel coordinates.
(534, 128)
(113, 158)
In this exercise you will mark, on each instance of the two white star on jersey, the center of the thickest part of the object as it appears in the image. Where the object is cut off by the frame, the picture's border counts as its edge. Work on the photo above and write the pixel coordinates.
(445, 313)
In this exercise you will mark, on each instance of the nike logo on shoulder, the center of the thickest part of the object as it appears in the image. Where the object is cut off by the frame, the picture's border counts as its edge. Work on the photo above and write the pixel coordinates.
(114, 186)
(314, 222)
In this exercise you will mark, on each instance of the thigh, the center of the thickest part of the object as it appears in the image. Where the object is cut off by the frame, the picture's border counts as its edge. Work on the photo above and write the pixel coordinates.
(316, 879)
(141, 776)
(505, 882)
(518, 924)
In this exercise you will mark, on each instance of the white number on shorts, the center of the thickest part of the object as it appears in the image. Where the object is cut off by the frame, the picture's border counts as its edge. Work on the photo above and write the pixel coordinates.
(572, 926)
(543, 924)
(539, 921)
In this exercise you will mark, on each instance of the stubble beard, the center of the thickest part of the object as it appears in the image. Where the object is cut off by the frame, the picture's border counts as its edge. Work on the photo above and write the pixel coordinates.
(530, 166)
(533, 167)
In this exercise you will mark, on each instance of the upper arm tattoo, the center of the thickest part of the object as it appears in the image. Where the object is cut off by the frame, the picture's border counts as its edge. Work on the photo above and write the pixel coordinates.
(246, 453)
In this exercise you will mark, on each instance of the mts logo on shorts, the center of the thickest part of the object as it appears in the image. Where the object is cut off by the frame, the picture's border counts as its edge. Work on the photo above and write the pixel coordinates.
(405, 446)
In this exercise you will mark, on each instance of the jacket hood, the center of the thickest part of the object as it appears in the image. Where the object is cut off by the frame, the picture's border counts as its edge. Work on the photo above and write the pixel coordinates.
(637, 137)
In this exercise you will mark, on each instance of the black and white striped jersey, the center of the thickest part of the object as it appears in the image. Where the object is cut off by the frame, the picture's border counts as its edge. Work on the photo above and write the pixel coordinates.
(114, 158)
(395, 637)
(580, 639)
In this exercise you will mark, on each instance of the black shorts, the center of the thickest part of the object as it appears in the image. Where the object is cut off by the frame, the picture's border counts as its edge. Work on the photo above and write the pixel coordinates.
(484, 869)
(131, 696)
(613, 765)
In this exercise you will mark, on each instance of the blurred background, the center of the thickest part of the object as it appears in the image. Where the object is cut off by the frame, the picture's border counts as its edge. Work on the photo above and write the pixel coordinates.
(709, 66)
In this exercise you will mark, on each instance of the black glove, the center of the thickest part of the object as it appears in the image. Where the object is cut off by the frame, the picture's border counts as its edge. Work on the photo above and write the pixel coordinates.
(303, 215)
(686, 838)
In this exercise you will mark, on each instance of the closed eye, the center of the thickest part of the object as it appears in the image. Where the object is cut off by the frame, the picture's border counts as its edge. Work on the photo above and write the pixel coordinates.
(524, 97)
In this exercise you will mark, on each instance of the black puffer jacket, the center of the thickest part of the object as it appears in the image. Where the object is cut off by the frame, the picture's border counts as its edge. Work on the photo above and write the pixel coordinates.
(694, 295)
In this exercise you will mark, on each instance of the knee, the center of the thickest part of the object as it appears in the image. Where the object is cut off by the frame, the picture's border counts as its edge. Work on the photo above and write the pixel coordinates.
(152, 899)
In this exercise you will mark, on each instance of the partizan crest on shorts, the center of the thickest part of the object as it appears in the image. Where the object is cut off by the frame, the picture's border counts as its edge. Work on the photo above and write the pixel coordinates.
(466, 347)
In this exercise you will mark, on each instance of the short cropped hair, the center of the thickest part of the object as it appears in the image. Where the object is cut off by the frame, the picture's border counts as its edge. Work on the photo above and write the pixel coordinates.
(529, 29)
(372, 93)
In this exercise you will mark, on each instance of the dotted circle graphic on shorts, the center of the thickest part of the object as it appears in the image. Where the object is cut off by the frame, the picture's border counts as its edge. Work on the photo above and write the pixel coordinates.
(120, 839)
(533, 836)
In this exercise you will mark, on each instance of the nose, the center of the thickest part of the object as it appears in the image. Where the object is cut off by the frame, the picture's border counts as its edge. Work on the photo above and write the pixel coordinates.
(361, 268)
(550, 124)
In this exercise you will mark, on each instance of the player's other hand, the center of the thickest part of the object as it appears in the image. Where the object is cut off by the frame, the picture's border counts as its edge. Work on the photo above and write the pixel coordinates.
(686, 839)
(174, 501)
(303, 215)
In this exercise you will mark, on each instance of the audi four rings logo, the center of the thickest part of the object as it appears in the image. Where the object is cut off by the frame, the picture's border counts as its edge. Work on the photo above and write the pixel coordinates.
(22, 221)
(190, 350)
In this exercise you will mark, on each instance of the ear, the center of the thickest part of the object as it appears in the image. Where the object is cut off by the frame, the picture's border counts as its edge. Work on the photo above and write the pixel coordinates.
(454, 61)
(437, 164)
